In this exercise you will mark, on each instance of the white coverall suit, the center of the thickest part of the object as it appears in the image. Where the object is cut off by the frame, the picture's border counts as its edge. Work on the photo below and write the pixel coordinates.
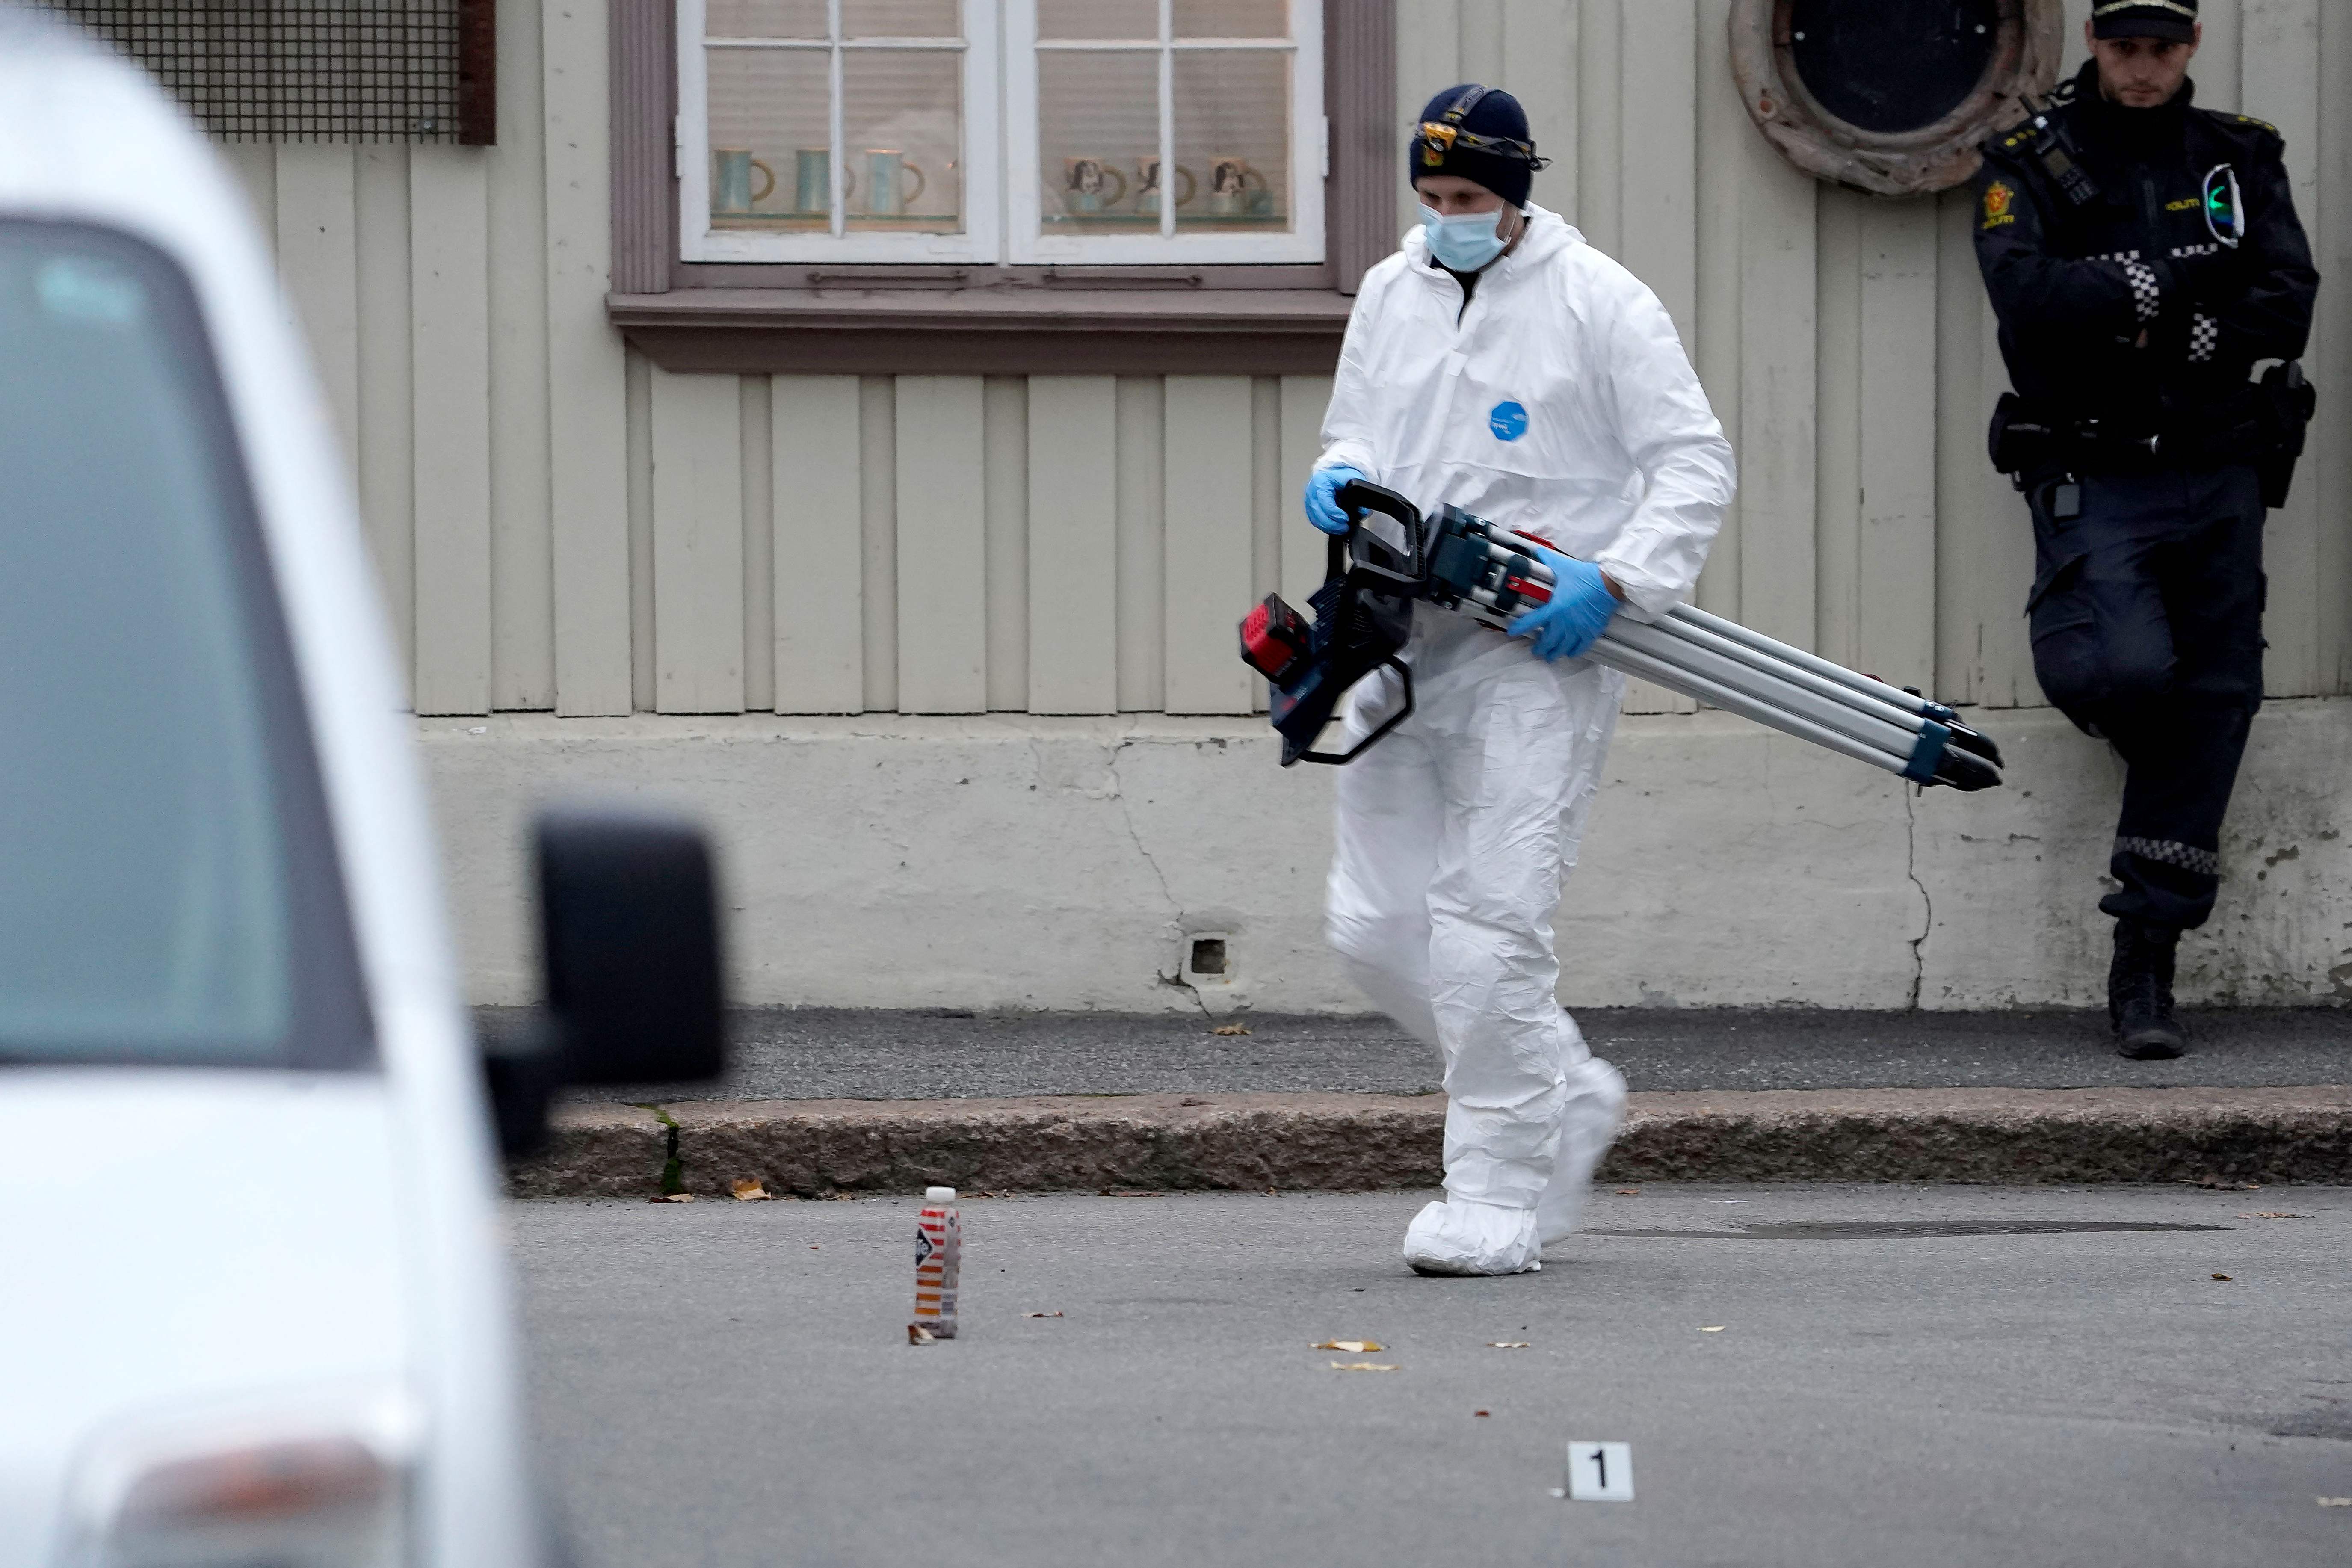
(1559, 402)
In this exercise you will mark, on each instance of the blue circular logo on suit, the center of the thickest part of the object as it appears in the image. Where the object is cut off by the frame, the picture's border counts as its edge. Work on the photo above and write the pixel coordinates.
(1509, 421)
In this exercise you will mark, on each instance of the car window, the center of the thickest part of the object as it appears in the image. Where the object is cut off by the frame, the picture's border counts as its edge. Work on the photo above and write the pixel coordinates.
(168, 888)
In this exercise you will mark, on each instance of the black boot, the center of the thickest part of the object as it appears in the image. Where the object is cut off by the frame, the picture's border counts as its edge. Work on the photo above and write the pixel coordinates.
(2139, 993)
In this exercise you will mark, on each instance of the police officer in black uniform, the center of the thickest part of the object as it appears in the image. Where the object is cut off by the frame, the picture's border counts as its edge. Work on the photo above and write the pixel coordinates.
(2143, 256)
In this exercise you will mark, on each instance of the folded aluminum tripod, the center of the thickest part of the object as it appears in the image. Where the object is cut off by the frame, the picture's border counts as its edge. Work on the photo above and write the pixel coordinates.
(1393, 557)
(1493, 574)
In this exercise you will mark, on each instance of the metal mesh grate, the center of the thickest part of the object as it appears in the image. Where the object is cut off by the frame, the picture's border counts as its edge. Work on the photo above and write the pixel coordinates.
(310, 70)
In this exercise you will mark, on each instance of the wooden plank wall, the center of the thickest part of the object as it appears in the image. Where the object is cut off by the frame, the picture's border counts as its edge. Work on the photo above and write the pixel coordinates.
(559, 525)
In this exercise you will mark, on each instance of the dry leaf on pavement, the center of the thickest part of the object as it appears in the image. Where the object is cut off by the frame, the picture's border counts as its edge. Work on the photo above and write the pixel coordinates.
(1479, 1413)
(1629, 1192)
(673, 1198)
(748, 1190)
(1507, 1345)
(1231, 1029)
(1357, 1347)
(918, 1335)
(1041, 1314)
(1360, 1366)
(2220, 1276)
(1717, 1330)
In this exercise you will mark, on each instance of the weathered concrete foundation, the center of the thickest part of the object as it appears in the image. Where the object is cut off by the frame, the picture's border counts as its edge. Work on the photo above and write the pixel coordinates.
(1010, 861)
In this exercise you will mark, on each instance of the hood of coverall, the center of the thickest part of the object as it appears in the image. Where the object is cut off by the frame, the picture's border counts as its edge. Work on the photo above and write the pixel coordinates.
(1548, 234)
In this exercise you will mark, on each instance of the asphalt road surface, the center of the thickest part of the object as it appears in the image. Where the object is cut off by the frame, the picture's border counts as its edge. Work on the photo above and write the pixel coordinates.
(822, 1053)
(1937, 1375)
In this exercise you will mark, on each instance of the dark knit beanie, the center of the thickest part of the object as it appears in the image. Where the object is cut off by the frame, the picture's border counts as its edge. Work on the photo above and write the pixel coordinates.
(1497, 115)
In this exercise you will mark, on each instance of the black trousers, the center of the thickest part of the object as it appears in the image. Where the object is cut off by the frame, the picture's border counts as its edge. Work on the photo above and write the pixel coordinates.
(2146, 616)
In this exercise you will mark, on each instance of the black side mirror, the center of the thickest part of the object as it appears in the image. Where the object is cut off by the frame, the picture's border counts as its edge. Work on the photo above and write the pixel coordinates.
(629, 939)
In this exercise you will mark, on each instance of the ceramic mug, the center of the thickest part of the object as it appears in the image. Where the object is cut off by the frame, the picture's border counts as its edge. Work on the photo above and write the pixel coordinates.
(1231, 180)
(1083, 182)
(813, 180)
(885, 180)
(1146, 188)
(731, 187)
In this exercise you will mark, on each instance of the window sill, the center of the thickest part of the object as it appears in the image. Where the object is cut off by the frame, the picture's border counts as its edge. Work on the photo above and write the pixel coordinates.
(987, 332)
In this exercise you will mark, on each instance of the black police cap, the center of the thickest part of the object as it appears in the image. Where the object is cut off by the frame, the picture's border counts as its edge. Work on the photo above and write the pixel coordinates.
(2174, 21)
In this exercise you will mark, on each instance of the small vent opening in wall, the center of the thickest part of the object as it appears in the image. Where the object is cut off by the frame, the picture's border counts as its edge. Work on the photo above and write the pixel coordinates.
(1208, 955)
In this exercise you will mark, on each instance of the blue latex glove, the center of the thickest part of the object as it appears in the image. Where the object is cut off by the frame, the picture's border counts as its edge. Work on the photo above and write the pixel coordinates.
(1322, 497)
(1578, 614)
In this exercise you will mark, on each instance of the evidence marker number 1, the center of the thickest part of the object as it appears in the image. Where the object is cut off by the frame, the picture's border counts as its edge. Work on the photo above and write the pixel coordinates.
(1600, 1472)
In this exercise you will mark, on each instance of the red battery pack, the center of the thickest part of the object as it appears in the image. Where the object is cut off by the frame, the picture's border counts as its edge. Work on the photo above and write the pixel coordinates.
(1274, 639)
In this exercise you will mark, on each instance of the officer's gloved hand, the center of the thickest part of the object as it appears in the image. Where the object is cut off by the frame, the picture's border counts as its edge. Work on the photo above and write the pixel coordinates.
(1322, 497)
(1578, 614)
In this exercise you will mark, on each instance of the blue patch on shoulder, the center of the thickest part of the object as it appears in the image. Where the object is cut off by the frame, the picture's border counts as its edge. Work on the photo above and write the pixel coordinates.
(1509, 421)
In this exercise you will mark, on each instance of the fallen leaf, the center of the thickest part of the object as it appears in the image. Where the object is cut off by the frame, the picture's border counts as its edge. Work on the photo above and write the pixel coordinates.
(1357, 1347)
(1629, 1192)
(1360, 1366)
(1507, 1344)
(1717, 1330)
(1231, 1029)
(1477, 1412)
(673, 1198)
(918, 1335)
(2335, 1502)
(748, 1190)
(814, 1247)
(2220, 1276)
(1041, 1314)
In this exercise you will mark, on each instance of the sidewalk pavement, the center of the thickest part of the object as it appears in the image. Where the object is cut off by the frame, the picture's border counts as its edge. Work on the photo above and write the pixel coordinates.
(783, 1053)
(823, 1102)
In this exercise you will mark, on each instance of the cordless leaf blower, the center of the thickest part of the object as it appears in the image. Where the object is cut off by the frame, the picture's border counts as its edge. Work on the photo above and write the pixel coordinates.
(1393, 557)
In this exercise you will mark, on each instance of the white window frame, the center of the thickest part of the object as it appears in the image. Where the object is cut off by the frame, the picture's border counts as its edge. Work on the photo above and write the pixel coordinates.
(983, 179)
(1004, 194)
(1309, 148)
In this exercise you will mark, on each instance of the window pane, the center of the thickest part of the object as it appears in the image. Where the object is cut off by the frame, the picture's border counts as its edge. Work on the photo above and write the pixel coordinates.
(1233, 133)
(764, 19)
(1098, 19)
(1098, 130)
(1232, 18)
(769, 117)
(903, 119)
(900, 19)
(169, 892)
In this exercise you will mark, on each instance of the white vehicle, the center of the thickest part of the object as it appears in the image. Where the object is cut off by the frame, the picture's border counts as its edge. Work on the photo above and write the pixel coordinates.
(252, 1293)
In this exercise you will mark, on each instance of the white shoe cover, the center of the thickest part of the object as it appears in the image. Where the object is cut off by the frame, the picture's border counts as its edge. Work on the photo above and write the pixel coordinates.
(1588, 1126)
(1458, 1237)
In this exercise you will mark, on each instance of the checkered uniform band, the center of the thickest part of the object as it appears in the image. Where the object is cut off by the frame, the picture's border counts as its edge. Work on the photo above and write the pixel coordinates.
(2188, 857)
(2148, 297)
(2204, 337)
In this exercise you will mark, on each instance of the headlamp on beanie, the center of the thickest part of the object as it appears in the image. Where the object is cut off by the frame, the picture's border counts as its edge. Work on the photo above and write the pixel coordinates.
(1480, 134)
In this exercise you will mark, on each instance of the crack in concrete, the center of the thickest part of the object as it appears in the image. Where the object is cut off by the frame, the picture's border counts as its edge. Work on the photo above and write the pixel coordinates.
(1911, 868)
(1175, 909)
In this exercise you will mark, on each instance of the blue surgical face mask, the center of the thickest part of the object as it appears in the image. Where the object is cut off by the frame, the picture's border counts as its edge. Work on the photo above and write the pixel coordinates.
(1464, 242)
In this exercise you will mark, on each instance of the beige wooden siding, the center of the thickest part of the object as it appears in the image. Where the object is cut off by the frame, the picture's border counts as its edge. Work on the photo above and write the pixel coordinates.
(560, 524)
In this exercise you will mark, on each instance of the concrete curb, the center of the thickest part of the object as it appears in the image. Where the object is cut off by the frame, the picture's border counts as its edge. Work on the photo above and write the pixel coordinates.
(814, 1148)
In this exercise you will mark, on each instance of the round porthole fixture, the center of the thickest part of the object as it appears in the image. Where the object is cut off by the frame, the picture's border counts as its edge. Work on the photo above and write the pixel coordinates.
(1891, 96)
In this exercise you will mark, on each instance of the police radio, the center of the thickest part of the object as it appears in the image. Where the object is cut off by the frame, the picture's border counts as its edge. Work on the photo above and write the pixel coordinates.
(2056, 152)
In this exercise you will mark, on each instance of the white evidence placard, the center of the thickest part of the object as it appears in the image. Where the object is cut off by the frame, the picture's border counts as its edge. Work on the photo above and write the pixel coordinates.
(1600, 1472)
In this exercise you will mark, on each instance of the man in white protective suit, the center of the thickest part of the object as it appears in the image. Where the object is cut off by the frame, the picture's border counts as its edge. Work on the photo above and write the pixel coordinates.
(1499, 363)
